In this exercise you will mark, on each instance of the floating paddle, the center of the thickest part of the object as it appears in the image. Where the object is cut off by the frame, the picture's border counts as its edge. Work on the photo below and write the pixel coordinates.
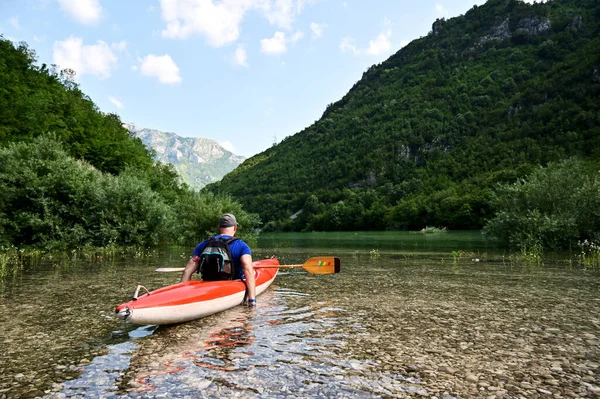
(317, 265)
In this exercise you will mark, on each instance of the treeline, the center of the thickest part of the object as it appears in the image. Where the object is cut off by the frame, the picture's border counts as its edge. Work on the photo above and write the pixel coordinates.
(72, 176)
(426, 137)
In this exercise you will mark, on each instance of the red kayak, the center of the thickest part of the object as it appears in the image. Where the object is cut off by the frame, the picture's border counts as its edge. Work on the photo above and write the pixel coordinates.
(193, 299)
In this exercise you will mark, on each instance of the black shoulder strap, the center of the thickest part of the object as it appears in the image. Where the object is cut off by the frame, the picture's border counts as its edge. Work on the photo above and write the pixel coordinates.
(230, 240)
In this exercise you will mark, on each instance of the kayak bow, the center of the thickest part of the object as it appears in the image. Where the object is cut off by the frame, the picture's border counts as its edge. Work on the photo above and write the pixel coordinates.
(193, 299)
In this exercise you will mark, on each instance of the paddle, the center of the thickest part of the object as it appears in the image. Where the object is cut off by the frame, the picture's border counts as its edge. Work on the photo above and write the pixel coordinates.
(317, 265)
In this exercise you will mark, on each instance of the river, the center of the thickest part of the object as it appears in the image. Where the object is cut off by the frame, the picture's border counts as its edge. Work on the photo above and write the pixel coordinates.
(410, 314)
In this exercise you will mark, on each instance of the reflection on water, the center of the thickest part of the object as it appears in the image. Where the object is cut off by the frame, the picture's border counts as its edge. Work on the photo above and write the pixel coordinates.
(389, 325)
(98, 379)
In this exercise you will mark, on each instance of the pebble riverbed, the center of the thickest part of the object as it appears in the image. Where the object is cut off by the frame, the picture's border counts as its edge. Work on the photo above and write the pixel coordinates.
(386, 327)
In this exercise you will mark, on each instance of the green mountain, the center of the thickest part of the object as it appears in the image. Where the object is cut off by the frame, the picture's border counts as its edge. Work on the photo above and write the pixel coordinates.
(199, 161)
(424, 137)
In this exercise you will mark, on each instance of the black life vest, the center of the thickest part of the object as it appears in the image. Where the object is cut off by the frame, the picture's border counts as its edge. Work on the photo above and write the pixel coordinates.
(215, 261)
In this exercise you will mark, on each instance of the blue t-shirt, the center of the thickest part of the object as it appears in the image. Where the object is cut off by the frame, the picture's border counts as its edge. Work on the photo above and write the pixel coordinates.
(238, 249)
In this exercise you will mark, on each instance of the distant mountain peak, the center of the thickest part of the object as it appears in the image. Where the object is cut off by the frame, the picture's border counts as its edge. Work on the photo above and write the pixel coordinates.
(199, 161)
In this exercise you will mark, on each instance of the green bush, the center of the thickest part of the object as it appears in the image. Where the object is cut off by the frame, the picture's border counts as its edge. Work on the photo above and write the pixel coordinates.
(49, 199)
(198, 217)
(554, 207)
(131, 214)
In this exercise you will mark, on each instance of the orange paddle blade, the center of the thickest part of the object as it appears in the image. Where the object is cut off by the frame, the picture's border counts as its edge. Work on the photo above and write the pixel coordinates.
(318, 265)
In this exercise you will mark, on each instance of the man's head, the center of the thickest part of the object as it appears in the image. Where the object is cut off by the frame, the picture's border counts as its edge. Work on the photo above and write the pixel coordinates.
(227, 224)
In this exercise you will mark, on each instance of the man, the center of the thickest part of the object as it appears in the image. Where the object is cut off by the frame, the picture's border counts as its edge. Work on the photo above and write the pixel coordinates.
(240, 253)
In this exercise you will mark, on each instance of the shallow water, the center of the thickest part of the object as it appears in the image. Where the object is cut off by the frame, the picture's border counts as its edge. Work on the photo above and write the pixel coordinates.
(404, 318)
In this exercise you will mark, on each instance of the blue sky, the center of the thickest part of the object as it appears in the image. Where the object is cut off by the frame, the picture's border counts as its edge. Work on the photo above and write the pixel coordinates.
(246, 73)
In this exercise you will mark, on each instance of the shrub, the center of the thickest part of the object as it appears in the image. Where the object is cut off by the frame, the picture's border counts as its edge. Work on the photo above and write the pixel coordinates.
(50, 200)
(198, 217)
(553, 207)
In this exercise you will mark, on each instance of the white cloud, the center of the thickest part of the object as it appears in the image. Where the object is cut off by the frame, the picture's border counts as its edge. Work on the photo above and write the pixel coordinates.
(228, 146)
(219, 20)
(297, 36)
(274, 46)
(162, 67)
(278, 44)
(14, 22)
(121, 46)
(94, 59)
(282, 13)
(317, 30)
(347, 45)
(115, 101)
(86, 12)
(380, 45)
(240, 57)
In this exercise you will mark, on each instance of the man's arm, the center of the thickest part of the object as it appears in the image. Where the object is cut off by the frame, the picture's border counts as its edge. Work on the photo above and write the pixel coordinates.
(190, 268)
(246, 261)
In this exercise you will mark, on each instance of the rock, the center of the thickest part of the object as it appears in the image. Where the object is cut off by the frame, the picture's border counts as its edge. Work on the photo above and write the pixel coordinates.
(511, 387)
(576, 24)
(593, 388)
(447, 369)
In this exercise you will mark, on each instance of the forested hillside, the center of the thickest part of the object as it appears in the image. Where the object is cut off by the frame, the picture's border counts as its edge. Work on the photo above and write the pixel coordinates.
(72, 176)
(35, 100)
(424, 137)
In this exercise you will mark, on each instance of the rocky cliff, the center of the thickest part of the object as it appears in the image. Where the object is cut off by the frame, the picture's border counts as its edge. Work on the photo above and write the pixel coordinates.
(199, 161)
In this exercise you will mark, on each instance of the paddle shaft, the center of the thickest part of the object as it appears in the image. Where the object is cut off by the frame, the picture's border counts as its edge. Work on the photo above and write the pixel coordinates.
(317, 265)
(180, 269)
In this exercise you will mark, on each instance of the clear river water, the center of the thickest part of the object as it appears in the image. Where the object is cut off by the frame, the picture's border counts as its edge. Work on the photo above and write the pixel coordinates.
(409, 315)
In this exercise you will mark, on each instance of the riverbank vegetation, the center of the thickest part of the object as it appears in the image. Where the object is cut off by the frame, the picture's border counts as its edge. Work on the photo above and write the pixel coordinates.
(74, 177)
(555, 207)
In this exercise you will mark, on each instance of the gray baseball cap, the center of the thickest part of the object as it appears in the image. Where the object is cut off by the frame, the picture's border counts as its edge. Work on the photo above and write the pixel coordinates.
(227, 220)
